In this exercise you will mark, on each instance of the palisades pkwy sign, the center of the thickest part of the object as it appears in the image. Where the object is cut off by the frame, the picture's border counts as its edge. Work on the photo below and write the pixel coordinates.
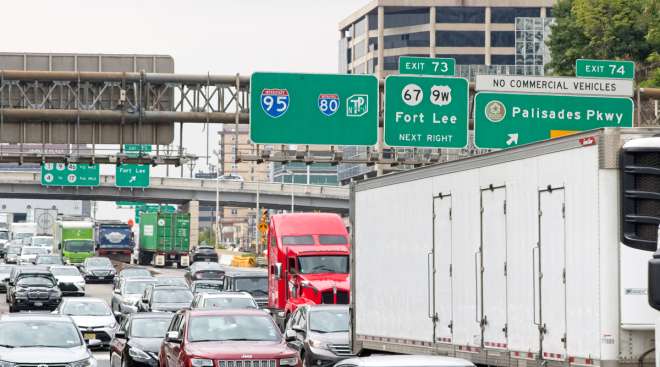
(427, 66)
(323, 109)
(72, 174)
(426, 112)
(503, 120)
(554, 85)
(612, 69)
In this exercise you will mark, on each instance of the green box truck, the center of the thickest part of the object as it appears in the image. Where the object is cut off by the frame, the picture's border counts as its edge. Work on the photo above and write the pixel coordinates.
(74, 240)
(164, 239)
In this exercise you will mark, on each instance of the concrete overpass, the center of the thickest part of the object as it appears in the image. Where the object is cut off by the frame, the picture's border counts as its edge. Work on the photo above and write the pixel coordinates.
(184, 190)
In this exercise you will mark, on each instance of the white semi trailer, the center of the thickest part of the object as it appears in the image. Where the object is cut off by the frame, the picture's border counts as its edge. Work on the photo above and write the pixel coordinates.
(512, 258)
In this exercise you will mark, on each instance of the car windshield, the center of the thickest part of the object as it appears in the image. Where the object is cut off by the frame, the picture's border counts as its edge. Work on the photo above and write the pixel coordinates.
(135, 272)
(98, 262)
(171, 281)
(65, 271)
(136, 287)
(221, 303)
(33, 251)
(41, 241)
(79, 246)
(42, 333)
(257, 286)
(35, 281)
(172, 296)
(232, 327)
(149, 327)
(208, 286)
(82, 308)
(49, 260)
(323, 264)
(4, 235)
(328, 321)
(14, 250)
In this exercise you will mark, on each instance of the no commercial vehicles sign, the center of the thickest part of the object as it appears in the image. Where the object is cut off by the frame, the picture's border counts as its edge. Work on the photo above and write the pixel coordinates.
(322, 109)
(555, 85)
(503, 120)
(426, 111)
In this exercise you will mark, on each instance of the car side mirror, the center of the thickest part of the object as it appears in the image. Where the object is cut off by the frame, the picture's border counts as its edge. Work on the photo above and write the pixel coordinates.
(277, 271)
(120, 334)
(173, 337)
(290, 335)
(92, 343)
(145, 300)
(116, 291)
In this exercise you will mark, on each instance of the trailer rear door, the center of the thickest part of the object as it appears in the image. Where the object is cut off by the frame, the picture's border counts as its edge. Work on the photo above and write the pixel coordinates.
(493, 281)
(552, 259)
(442, 249)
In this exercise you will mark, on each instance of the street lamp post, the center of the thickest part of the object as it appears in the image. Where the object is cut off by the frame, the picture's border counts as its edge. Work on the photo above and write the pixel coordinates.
(217, 202)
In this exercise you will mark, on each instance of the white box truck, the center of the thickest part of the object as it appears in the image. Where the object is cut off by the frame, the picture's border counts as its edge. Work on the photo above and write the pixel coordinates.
(513, 257)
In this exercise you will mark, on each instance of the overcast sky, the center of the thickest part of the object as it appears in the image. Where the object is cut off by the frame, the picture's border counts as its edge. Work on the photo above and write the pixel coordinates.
(216, 36)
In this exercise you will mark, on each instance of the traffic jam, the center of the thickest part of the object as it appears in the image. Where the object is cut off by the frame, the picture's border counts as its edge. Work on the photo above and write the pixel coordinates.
(292, 312)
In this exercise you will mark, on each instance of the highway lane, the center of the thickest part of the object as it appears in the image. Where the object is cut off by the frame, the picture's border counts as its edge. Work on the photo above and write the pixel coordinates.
(103, 291)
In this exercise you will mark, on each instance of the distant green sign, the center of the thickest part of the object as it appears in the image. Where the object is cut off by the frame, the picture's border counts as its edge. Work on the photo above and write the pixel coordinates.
(152, 208)
(322, 109)
(72, 174)
(503, 120)
(605, 69)
(426, 112)
(137, 148)
(427, 66)
(132, 175)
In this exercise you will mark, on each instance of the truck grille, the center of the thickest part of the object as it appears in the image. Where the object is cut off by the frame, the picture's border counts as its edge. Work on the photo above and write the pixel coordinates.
(328, 297)
(38, 295)
(341, 349)
(248, 363)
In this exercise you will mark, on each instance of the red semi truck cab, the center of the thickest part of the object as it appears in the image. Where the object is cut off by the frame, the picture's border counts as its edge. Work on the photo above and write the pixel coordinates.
(308, 262)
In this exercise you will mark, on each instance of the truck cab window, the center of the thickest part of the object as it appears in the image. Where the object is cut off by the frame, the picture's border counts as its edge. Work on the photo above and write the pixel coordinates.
(292, 265)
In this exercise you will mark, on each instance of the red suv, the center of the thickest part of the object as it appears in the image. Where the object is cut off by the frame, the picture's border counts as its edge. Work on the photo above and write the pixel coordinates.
(225, 338)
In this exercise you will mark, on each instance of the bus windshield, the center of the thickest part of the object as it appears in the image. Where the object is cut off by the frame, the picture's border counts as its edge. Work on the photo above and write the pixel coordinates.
(79, 246)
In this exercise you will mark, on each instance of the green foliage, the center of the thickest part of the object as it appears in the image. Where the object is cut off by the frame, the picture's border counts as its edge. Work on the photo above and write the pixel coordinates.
(607, 29)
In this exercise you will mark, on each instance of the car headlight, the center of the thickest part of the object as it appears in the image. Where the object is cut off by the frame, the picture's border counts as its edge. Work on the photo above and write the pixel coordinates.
(199, 362)
(289, 361)
(318, 344)
(138, 354)
(80, 283)
(7, 364)
(87, 362)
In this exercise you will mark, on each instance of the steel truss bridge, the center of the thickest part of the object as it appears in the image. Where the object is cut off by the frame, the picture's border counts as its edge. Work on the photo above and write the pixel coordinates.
(54, 107)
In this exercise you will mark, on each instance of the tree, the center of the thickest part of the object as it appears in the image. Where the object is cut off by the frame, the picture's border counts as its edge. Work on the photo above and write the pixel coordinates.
(606, 29)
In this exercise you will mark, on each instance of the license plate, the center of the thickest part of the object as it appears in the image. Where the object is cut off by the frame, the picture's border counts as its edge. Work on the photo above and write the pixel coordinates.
(38, 304)
(89, 336)
(207, 260)
(172, 256)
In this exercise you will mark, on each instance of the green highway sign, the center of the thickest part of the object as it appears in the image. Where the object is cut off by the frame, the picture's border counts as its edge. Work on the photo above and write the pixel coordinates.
(321, 109)
(426, 112)
(605, 69)
(427, 66)
(132, 175)
(503, 120)
(129, 203)
(72, 174)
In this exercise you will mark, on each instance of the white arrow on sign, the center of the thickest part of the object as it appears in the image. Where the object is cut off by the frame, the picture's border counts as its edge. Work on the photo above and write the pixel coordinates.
(132, 179)
(513, 139)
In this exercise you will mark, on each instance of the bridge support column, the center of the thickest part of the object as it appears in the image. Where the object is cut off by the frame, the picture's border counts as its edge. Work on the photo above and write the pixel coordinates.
(192, 207)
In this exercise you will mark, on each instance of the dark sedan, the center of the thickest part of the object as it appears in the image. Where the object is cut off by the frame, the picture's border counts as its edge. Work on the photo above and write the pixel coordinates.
(137, 342)
(204, 253)
(204, 270)
(97, 269)
(320, 333)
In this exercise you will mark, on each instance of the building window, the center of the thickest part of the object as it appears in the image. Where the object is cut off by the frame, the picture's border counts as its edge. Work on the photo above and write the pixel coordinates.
(502, 59)
(391, 63)
(466, 59)
(459, 38)
(405, 16)
(418, 39)
(360, 27)
(460, 14)
(531, 36)
(548, 12)
(508, 15)
(373, 20)
(373, 43)
(234, 211)
(359, 50)
(361, 68)
(502, 39)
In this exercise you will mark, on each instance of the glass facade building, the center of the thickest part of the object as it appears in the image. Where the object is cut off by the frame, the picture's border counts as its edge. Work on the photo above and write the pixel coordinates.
(483, 36)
